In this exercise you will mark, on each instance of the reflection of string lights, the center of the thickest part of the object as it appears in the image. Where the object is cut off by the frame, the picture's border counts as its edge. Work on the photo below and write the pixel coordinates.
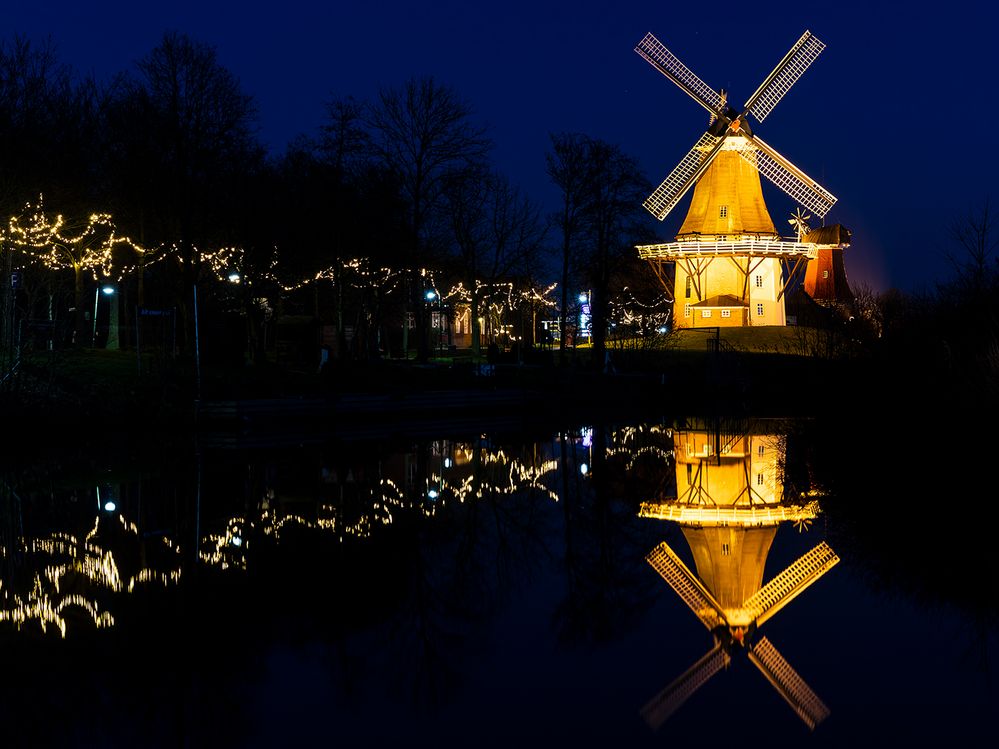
(84, 558)
(623, 440)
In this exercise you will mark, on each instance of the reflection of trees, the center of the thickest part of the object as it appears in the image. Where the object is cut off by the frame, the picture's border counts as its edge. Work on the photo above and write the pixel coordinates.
(420, 544)
(913, 523)
(606, 584)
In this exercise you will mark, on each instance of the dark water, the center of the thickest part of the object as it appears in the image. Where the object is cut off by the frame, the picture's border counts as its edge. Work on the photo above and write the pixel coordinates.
(485, 590)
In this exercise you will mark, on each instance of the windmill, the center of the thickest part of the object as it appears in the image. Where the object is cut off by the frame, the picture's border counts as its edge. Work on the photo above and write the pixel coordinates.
(729, 502)
(799, 222)
(728, 218)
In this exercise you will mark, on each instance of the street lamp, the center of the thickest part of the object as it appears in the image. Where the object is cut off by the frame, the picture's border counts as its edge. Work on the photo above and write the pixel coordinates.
(430, 296)
(107, 290)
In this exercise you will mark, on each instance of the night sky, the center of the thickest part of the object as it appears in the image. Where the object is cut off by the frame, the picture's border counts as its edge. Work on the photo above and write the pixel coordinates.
(893, 118)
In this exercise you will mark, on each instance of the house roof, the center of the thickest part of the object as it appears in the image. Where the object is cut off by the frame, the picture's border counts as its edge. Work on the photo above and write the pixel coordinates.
(722, 300)
(835, 234)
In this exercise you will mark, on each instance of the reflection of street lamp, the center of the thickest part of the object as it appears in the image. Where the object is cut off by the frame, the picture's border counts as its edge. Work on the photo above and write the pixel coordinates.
(108, 290)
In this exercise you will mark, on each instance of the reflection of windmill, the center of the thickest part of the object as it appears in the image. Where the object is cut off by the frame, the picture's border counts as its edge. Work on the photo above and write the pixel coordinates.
(729, 502)
(730, 263)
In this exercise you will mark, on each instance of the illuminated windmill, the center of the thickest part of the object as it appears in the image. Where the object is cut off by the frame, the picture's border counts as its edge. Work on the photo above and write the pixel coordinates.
(731, 266)
(729, 504)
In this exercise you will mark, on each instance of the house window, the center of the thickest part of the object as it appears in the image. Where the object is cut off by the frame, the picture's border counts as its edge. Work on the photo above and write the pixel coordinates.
(686, 310)
(759, 281)
(759, 310)
(825, 274)
(759, 479)
(705, 313)
(723, 212)
(688, 288)
(410, 320)
(726, 313)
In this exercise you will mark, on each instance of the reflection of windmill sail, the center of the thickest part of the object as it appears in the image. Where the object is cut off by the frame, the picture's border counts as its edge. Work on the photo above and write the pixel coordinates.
(658, 710)
(787, 682)
(665, 561)
(776, 594)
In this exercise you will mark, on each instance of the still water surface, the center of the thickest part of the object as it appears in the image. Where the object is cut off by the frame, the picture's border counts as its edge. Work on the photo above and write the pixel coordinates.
(483, 590)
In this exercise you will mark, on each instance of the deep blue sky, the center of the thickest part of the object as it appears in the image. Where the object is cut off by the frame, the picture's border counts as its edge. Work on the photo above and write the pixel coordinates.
(893, 118)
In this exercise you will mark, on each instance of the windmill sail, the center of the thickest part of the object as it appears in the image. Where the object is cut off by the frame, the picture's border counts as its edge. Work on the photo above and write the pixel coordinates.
(683, 176)
(787, 72)
(672, 569)
(658, 710)
(789, 178)
(788, 683)
(670, 66)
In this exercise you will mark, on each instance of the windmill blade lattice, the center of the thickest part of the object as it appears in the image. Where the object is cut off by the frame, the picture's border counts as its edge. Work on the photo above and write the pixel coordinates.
(683, 176)
(788, 683)
(670, 66)
(679, 577)
(788, 71)
(800, 574)
(658, 710)
(798, 185)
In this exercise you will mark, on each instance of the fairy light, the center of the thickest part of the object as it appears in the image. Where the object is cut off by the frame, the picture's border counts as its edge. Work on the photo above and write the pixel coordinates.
(56, 246)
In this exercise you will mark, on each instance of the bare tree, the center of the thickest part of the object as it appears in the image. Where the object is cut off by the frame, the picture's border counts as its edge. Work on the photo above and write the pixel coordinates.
(185, 130)
(615, 218)
(569, 169)
(975, 237)
(423, 133)
(602, 190)
(497, 231)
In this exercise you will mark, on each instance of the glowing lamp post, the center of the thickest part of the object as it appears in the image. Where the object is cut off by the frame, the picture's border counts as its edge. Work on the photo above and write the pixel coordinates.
(430, 296)
(107, 290)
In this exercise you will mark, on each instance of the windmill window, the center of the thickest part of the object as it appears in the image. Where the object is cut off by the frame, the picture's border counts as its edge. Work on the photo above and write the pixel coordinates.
(688, 287)
(759, 479)
(705, 313)
(686, 310)
(723, 212)
(726, 551)
(759, 281)
(825, 274)
(726, 313)
(760, 450)
(759, 310)
(690, 473)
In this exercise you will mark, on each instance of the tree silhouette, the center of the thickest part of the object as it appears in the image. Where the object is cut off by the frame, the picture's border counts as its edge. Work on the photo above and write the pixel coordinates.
(185, 128)
(423, 133)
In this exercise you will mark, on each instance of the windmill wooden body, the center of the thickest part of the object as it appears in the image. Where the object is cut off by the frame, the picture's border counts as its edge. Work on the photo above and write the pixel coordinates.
(730, 501)
(728, 265)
